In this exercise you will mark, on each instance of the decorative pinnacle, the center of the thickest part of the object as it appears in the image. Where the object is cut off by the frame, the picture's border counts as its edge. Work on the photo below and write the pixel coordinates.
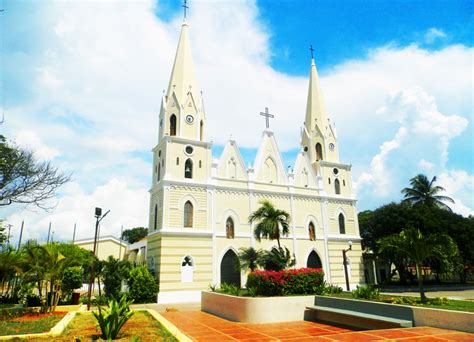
(311, 49)
(185, 7)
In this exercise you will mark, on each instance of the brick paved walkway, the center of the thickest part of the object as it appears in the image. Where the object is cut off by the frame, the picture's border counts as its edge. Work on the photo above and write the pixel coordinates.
(200, 326)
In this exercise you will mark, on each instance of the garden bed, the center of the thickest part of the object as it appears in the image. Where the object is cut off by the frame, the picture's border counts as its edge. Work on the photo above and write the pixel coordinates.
(256, 309)
(30, 323)
(435, 303)
(84, 327)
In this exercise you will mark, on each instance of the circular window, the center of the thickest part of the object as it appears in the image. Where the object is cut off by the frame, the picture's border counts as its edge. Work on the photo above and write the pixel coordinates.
(335, 171)
(189, 119)
(306, 149)
(332, 146)
(189, 149)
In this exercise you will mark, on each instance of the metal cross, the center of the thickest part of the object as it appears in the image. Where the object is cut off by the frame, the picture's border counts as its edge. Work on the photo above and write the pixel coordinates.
(311, 49)
(267, 116)
(185, 7)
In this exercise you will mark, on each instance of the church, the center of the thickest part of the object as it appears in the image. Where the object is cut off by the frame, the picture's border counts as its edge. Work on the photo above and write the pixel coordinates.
(199, 206)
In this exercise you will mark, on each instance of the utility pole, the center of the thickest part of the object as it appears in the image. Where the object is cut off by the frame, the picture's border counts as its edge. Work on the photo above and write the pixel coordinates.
(120, 245)
(344, 257)
(49, 232)
(74, 234)
(98, 217)
(21, 234)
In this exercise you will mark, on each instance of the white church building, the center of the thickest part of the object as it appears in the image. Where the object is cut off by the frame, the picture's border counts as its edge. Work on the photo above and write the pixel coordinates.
(199, 206)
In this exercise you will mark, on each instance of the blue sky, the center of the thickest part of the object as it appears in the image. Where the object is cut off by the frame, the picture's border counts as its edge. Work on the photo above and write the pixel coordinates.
(81, 85)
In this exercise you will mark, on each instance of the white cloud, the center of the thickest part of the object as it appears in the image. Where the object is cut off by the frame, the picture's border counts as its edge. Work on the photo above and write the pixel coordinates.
(97, 81)
(30, 140)
(459, 185)
(434, 34)
(128, 207)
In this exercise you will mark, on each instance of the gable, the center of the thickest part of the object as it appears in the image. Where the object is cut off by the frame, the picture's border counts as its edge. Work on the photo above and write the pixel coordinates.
(231, 164)
(305, 175)
(269, 167)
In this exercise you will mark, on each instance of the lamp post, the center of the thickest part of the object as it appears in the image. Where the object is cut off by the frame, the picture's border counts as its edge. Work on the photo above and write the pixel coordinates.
(98, 217)
(344, 257)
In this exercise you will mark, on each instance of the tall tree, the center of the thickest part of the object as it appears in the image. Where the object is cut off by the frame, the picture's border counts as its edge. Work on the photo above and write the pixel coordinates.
(135, 234)
(25, 180)
(424, 191)
(419, 249)
(272, 223)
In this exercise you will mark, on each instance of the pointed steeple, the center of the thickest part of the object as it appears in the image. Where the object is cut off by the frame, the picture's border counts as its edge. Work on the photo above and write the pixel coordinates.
(183, 77)
(315, 108)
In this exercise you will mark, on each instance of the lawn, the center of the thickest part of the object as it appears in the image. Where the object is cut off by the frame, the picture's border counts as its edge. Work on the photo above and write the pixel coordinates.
(84, 328)
(457, 305)
(30, 323)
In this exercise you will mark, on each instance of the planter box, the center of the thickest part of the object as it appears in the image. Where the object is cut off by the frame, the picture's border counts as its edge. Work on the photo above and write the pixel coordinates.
(439, 318)
(256, 309)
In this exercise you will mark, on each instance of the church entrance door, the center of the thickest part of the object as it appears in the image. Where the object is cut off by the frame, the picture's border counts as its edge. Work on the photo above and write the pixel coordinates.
(230, 270)
(314, 261)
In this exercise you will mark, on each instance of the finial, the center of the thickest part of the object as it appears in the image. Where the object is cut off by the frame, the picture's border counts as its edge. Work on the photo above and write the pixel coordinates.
(185, 6)
(311, 49)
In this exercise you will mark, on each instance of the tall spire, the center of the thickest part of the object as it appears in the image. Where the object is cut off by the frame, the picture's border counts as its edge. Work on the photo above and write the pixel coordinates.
(315, 109)
(183, 77)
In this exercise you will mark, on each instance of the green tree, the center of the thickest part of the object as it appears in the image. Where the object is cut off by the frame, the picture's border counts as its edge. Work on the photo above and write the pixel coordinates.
(3, 236)
(272, 223)
(249, 258)
(10, 265)
(142, 285)
(135, 234)
(112, 272)
(72, 279)
(419, 249)
(277, 259)
(425, 192)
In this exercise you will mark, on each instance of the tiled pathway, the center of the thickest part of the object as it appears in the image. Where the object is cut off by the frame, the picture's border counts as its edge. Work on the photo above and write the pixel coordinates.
(200, 326)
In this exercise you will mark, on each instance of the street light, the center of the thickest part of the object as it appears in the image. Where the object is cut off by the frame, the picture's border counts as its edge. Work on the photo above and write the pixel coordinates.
(344, 257)
(98, 216)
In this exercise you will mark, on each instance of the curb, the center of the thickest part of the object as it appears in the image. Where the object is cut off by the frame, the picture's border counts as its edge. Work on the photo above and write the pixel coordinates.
(54, 331)
(169, 326)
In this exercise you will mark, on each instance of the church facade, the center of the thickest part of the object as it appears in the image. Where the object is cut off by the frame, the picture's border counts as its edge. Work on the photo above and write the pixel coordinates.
(199, 207)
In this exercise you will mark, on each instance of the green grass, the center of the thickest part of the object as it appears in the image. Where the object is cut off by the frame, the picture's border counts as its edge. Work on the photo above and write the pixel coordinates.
(32, 325)
(6, 306)
(456, 305)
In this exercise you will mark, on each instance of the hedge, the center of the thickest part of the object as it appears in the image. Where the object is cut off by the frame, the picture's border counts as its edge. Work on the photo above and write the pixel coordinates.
(286, 282)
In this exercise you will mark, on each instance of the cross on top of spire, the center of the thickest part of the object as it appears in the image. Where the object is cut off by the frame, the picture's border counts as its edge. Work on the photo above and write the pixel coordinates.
(185, 7)
(311, 49)
(267, 116)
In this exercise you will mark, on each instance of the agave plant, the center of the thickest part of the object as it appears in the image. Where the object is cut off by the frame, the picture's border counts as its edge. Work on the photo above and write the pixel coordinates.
(112, 319)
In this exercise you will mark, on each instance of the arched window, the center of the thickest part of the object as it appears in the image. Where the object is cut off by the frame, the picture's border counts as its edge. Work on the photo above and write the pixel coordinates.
(188, 214)
(173, 125)
(342, 224)
(188, 169)
(270, 171)
(155, 217)
(187, 269)
(177, 160)
(313, 260)
(229, 228)
(337, 187)
(201, 131)
(158, 173)
(319, 152)
(311, 232)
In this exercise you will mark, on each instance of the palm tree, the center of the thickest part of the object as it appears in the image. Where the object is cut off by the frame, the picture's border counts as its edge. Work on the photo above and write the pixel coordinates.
(272, 223)
(249, 258)
(424, 192)
(418, 249)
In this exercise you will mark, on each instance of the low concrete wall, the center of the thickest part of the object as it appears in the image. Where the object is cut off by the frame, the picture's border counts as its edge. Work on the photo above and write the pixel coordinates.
(448, 319)
(256, 310)
(438, 318)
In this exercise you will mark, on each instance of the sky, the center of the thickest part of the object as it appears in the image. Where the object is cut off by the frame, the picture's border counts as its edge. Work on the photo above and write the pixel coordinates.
(81, 85)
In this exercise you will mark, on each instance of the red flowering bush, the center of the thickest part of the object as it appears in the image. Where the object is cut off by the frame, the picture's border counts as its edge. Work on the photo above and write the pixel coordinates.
(286, 282)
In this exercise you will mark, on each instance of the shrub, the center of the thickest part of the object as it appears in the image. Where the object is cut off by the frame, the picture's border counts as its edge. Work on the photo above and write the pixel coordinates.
(112, 319)
(142, 285)
(252, 290)
(213, 287)
(438, 301)
(366, 292)
(286, 282)
(113, 271)
(276, 259)
(231, 289)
